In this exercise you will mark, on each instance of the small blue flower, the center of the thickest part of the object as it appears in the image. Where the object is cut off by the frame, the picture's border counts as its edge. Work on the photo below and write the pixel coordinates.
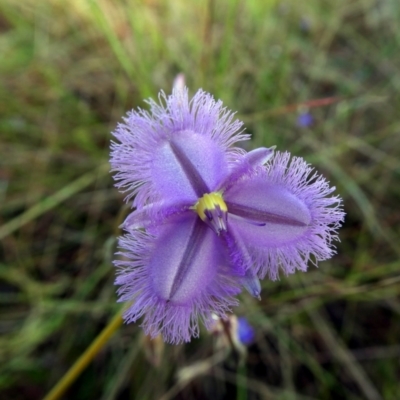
(305, 119)
(246, 332)
(210, 218)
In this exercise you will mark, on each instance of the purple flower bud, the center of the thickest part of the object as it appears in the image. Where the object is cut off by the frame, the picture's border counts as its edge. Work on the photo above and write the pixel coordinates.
(179, 82)
(305, 119)
(210, 218)
(246, 333)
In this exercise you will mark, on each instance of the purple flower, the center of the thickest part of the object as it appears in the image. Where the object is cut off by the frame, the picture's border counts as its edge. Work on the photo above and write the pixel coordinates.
(305, 119)
(210, 218)
(245, 331)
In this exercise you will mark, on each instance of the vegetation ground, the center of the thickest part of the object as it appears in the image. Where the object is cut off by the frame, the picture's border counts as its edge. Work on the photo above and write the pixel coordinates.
(70, 70)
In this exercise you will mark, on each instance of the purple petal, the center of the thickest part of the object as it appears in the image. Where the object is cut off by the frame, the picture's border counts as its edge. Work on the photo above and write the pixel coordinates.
(187, 166)
(143, 141)
(246, 332)
(154, 214)
(176, 278)
(242, 260)
(248, 164)
(252, 284)
(259, 156)
(269, 214)
(284, 216)
(186, 260)
(305, 120)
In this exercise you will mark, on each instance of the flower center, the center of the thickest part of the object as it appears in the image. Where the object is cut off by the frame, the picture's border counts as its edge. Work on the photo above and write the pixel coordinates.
(212, 209)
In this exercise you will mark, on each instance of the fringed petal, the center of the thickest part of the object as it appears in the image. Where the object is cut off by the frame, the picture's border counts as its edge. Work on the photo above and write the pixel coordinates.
(247, 164)
(284, 216)
(186, 166)
(144, 135)
(176, 278)
(154, 215)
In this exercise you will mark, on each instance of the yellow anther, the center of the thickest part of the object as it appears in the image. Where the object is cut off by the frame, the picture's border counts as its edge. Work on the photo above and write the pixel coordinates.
(210, 202)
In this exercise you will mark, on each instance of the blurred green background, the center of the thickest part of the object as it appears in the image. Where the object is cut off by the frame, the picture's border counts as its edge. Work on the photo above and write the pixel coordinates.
(70, 70)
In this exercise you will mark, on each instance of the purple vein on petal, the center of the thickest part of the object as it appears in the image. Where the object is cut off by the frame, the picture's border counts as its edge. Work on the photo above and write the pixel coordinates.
(240, 255)
(252, 284)
(249, 162)
(261, 217)
(197, 182)
(153, 214)
(194, 244)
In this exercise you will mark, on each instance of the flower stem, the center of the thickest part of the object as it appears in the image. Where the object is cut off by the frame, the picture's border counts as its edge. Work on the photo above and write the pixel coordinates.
(82, 362)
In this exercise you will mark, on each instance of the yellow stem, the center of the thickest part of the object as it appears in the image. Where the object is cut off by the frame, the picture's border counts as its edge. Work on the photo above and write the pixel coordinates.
(85, 359)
